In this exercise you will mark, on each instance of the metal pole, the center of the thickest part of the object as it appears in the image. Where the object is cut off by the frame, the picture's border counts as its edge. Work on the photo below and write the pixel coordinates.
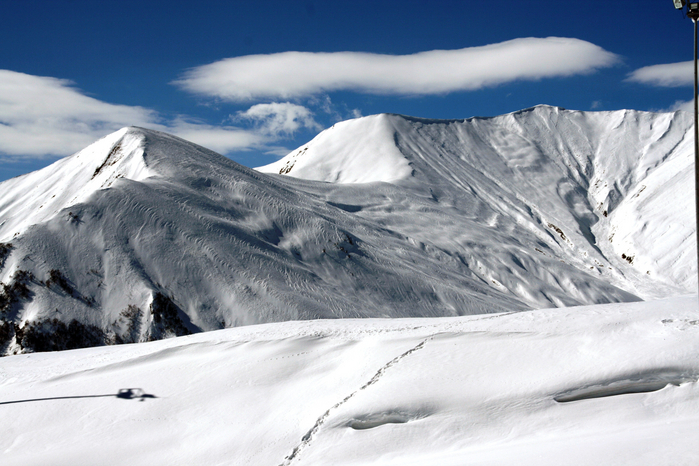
(696, 141)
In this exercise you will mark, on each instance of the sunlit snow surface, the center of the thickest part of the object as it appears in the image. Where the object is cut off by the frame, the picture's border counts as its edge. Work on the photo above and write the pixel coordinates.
(474, 390)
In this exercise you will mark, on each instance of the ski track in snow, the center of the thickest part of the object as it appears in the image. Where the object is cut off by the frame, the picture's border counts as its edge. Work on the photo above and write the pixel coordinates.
(307, 439)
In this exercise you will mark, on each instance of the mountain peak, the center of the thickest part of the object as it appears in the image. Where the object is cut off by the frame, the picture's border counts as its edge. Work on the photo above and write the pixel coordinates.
(362, 150)
(131, 153)
(40, 195)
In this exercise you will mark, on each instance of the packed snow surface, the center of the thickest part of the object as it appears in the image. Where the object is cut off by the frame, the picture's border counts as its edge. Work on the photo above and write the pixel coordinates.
(143, 235)
(605, 384)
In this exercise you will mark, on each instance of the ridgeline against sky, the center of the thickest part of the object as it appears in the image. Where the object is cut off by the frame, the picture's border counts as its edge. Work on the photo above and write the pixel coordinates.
(254, 81)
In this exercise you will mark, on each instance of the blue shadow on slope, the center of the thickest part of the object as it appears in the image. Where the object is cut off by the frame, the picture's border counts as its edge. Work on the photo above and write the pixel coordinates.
(124, 394)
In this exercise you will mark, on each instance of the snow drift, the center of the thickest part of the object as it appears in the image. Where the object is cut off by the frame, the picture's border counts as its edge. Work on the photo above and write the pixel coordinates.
(143, 235)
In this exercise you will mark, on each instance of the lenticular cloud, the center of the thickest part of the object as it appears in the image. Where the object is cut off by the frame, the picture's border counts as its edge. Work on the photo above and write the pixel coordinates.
(297, 74)
(667, 75)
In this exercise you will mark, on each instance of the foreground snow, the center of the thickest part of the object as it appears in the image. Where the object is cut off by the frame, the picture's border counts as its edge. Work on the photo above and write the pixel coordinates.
(448, 391)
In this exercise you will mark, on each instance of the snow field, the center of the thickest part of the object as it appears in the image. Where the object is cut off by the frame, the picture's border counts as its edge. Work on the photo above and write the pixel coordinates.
(449, 391)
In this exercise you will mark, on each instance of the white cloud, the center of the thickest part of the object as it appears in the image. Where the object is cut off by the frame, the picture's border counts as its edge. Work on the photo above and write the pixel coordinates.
(297, 74)
(279, 119)
(222, 139)
(42, 116)
(278, 151)
(668, 75)
(684, 105)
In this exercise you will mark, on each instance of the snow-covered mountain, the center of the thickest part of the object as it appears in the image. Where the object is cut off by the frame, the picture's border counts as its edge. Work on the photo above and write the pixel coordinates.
(611, 189)
(143, 235)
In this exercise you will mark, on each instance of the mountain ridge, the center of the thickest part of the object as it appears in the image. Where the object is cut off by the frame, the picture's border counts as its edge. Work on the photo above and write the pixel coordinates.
(587, 161)
(166, 237)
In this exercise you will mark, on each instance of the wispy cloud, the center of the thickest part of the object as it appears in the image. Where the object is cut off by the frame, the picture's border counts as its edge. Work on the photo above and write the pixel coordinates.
(668, 75)
(222, 139)
(45, 116)
(291, 75)
(684, 105)
(279, 119)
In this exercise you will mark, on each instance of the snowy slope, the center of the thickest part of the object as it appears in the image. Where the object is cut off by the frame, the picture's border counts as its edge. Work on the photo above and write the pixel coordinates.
(203, 243)
(144, 235)
(607, 191)
(607, 384)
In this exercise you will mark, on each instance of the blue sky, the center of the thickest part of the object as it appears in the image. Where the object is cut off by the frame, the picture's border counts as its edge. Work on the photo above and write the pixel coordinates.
(219, 72)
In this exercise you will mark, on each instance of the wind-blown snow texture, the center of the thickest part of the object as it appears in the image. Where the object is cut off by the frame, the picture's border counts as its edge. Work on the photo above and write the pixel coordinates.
(143, 235)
